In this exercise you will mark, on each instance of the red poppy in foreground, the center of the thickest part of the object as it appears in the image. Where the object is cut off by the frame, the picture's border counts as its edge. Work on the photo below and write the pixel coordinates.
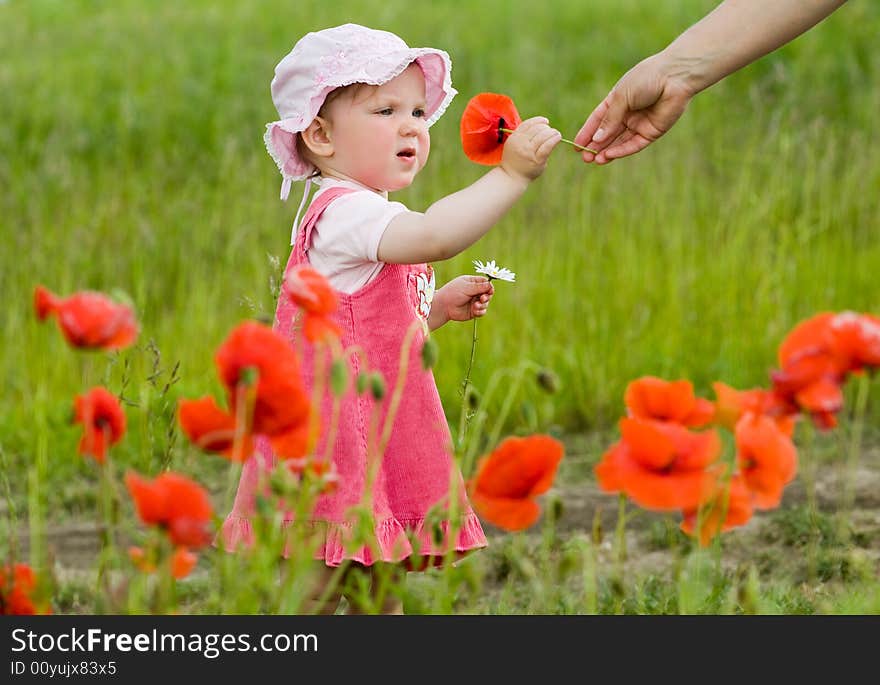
(310, 291)
(484, 117)
(213, 430)
(507, 481)
(173, 502)
(103, 421)
(88, 319)
(17, 587)
(181, 564)
(729, 508)
(855, 341)
(654, 398)
(766, 457)
(258, 366)
(661, 465)
(731, 404)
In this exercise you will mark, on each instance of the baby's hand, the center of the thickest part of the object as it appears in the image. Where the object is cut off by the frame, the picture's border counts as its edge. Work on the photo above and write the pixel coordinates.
(461, 299)
(527, 149)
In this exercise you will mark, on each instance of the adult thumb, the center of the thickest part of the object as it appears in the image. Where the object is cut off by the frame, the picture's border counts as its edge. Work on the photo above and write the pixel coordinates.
(611, 123)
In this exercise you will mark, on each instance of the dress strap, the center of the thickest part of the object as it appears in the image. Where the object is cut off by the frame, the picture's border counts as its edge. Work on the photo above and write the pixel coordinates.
(303, 238)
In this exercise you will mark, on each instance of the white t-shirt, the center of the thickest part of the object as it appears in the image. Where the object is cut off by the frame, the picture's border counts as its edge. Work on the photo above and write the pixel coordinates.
(345, 241)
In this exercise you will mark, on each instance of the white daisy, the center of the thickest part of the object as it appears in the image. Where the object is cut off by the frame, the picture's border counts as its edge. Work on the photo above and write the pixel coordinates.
(494, 272)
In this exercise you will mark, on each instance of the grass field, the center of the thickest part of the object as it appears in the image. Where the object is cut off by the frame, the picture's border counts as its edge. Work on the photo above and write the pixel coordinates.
(131, 160)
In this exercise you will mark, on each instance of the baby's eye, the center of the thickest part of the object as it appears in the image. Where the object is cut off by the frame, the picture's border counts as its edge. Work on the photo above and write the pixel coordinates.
(385, 111)
(419, 112)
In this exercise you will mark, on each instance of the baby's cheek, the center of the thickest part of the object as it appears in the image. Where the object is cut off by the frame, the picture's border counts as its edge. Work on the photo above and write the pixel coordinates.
(424, 149)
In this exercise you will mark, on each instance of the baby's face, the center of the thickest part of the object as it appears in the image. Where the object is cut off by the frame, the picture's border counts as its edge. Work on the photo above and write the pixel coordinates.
(379, 134)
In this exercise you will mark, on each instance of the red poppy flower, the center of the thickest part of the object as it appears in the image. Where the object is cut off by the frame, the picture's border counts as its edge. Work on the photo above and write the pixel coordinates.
(481, 123)
(293, 444)
(141, 559)
(810, 381)
(183, 562)
(507, 481)
(809, 335)
(855, 341)
(766, 457)
(279, 399)
(89, 319)
(654, 398)
(17, 587)
(729, 508)
(175, 503)
(660, 465)
(103, 421)
(731, 404)
(310, 291)
(212, 429)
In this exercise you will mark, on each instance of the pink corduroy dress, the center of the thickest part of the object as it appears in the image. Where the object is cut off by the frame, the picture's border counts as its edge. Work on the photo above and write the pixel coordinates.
(417, 468)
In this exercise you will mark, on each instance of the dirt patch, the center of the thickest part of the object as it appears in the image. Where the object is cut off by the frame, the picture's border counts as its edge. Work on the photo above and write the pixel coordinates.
(846, 513)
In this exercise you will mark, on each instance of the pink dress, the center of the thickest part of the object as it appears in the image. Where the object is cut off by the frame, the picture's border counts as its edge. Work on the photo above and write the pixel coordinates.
(417, 467)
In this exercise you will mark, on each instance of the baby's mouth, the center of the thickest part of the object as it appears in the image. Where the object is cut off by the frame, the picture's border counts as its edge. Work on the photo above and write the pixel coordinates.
(408, 152)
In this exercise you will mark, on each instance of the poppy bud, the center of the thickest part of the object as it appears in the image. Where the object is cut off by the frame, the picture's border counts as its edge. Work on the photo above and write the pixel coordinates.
(548, 380)
(473, 397)
(338, 377)
(377, 385)
(360, 384)
(429, 353)
(556, 509)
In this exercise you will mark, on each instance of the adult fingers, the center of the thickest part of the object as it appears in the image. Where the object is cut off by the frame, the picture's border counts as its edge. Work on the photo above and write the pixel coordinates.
(609, 126)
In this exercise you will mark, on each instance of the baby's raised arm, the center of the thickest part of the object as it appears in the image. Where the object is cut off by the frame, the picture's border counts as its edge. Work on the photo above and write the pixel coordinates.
(457, 221)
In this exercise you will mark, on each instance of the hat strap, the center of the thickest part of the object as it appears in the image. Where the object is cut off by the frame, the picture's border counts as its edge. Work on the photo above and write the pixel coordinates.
(285, 188)
(301, 205)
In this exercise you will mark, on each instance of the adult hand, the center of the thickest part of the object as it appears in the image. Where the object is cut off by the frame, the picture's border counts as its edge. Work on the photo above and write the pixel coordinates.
(641, 107)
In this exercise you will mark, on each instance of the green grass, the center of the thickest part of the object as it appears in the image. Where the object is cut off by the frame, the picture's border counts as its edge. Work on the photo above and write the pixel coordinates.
(131, 158)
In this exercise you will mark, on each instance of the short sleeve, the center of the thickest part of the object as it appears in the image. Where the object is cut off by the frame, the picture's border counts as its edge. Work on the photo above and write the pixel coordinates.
(351, 227)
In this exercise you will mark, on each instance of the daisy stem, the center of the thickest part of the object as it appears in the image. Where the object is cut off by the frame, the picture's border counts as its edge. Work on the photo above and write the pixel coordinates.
(564, 140)
(465, 414)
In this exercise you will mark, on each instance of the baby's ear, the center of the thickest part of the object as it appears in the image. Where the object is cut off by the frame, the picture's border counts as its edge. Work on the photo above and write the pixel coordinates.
(316, 137)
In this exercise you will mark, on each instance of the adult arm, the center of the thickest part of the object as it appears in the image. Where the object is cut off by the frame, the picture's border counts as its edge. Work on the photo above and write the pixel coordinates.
(648, 100)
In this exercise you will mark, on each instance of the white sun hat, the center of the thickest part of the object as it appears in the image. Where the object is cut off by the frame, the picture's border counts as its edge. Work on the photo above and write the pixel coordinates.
(324, 60)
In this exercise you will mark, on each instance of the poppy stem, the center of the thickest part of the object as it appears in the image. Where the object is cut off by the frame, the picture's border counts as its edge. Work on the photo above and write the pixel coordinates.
(564, 140)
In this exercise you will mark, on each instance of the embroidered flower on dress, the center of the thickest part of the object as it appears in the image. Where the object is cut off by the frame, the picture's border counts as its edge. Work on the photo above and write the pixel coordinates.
(425, 290)
(493, 271)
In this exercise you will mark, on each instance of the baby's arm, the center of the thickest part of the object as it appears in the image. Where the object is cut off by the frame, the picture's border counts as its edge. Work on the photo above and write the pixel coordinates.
(457, 221)
(461, 299)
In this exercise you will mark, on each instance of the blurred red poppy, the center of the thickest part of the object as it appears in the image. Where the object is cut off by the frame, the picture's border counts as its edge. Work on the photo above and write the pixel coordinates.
(484, 117)
(212, 429)
(731, 404)
(729, 508)
(183, 562)
(312, 292)
(855, 341)
(253, 352)
(766, 457)
(660, 465)
(654, 398)
(18, 585)
(508, 480)
(88, 319)
(103, 421)
(173, 502)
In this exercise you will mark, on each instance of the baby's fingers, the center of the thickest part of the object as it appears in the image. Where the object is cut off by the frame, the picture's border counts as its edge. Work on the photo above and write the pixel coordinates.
(545, 143)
